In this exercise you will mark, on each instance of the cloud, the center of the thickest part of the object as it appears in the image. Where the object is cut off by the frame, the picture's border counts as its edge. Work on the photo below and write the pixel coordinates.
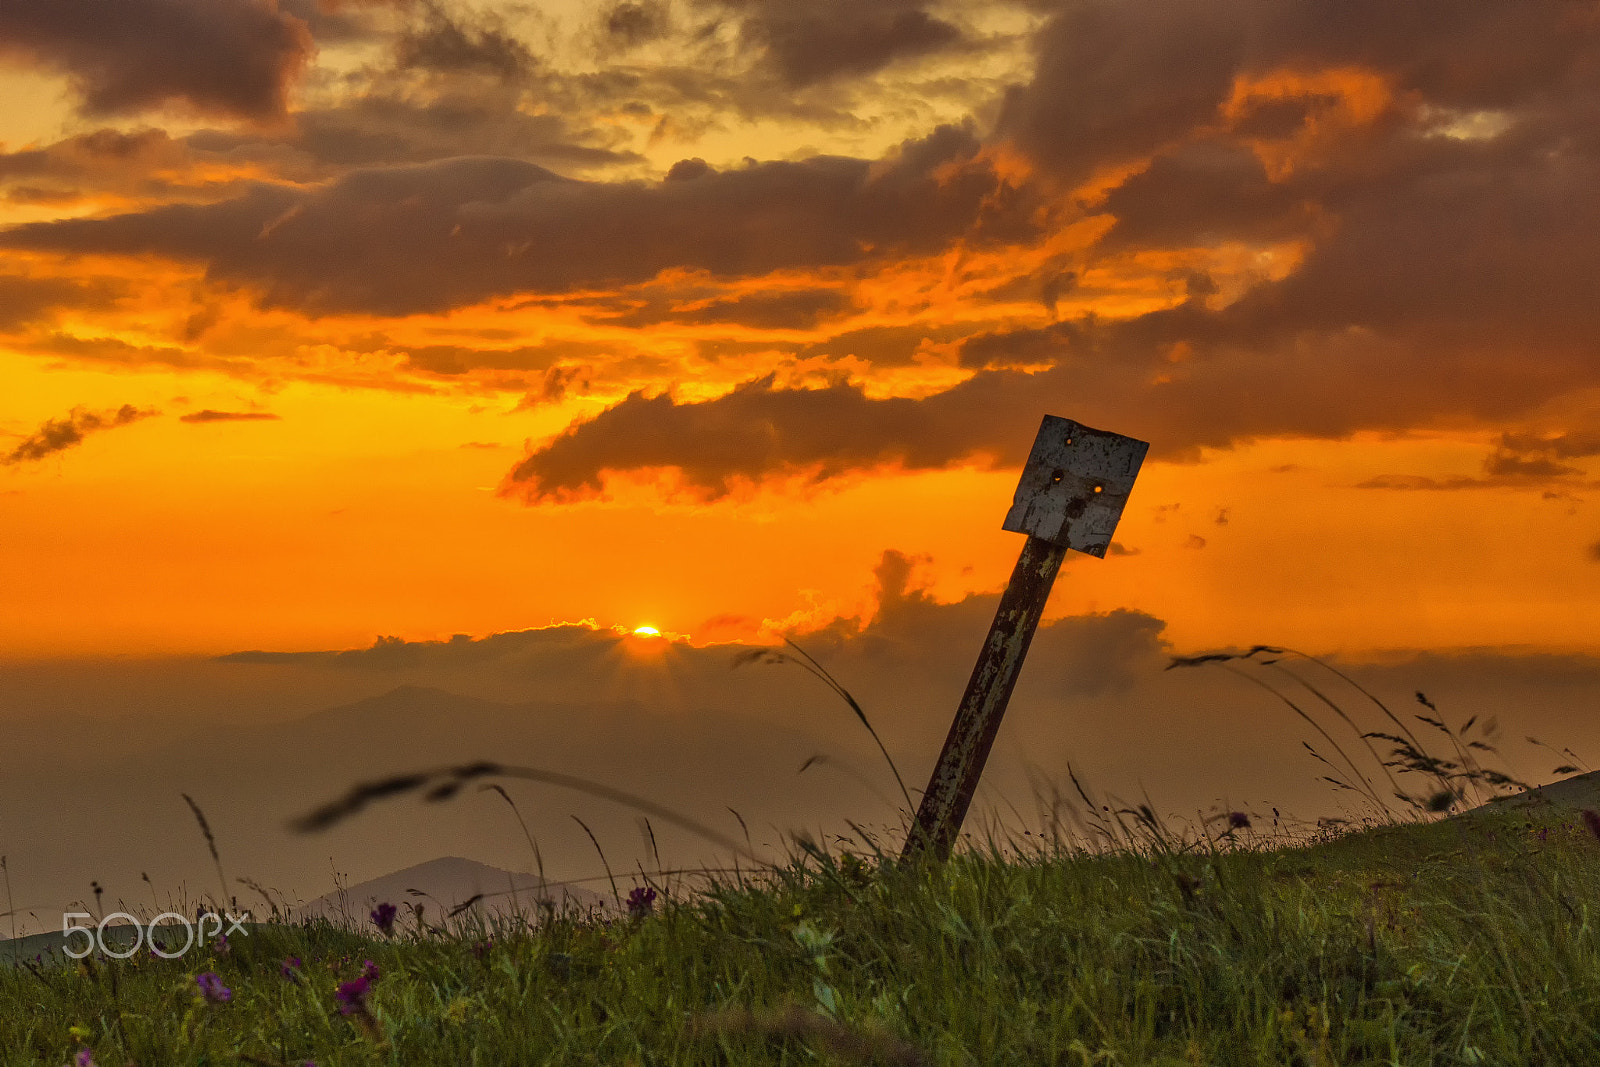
(1296, 229)
(759, 430)
(707, 305)
(629, 24)
(406, 239)
(233, 57)
(1519, 460)
(454, 45)
(382, 127)
(1116, 82)
(1417, 268)
(58, 435)
(25, 300)
(209, 415)
(810, 41)
(263, 736)
(1567, 445)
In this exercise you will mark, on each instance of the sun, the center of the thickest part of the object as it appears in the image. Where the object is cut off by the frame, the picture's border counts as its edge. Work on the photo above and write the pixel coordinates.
(646, 631)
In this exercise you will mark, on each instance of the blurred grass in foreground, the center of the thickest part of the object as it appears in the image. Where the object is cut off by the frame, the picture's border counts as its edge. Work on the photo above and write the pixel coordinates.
(1464, 940)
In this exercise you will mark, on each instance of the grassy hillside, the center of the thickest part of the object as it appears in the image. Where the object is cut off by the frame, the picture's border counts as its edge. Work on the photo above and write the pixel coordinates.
(1469, 940)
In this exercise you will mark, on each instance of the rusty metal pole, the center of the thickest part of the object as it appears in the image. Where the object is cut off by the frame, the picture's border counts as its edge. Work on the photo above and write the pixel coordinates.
(966, 749)
(1071, 494)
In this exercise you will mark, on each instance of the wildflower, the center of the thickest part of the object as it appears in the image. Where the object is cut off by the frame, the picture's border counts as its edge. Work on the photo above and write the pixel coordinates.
(222, 945)
(212, 988)
(383, 918)
(481, 949)
(1238, 820)
(84, 1058)
(352, 995)
(641, 901)
(1591, 819)
(291, 968)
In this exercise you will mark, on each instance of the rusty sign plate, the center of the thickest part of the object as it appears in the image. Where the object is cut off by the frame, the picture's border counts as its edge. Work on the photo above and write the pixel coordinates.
(1075, 485)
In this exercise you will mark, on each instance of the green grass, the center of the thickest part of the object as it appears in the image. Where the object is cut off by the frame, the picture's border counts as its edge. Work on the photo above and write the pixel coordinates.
(1463, 941)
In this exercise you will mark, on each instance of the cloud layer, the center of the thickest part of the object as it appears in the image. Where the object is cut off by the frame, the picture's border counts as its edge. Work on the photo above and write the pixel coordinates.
(1197, 223)
(58, 435)
(234, 57)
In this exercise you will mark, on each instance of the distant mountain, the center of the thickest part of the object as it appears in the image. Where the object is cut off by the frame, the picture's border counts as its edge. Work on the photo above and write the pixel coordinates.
(1579, 791)
(118, 818)
(443, 885)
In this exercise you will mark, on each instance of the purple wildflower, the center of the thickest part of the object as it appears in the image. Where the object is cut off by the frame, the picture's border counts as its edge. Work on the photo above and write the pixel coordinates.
(291, 968)
(481, 949)
(641, 901)
(211, 986)
(352, 995)
(369, 970)
(84, 1058)
(383, 918)
(1238, 820)
(222, 945)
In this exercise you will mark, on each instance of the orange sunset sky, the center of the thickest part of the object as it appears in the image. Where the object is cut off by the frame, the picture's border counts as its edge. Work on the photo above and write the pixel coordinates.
(330, 321)
(320, 321)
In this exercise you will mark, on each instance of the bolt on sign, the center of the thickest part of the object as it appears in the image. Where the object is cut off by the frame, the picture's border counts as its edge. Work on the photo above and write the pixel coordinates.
(1071, 495)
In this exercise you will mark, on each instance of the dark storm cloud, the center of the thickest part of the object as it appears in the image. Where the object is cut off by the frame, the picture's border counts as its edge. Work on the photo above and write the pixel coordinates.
(87, 153)
(147, 164)
(377, 129)
(339, 21)
(24, 300)
(1116, 81)
(629, 24)
(455, 45)
(237, 57)
(1200, 193)
(1520, 459)
(757, 430)
(1560, 446)
(1100, 374)
(58, 435)
(401, 240)
(810, 41)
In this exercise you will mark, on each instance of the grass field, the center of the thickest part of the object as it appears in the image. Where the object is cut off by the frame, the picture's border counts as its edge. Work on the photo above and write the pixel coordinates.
(1108, 938)
(1467, 940)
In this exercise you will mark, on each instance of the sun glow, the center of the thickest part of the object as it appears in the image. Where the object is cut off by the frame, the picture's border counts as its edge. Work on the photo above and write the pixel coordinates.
(646, 631)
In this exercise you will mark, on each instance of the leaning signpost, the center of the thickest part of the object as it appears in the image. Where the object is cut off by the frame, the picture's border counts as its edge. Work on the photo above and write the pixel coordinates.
(1071, 495)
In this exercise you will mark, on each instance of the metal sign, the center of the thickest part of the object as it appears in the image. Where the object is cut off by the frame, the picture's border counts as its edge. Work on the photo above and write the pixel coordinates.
(1071, 495)
(1075, 485)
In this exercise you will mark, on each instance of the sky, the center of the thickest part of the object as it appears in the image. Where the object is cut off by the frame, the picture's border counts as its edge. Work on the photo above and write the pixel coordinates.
(341, 325)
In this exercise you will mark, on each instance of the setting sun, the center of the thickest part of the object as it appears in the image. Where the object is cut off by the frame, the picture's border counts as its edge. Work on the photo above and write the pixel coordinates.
(646, 631)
